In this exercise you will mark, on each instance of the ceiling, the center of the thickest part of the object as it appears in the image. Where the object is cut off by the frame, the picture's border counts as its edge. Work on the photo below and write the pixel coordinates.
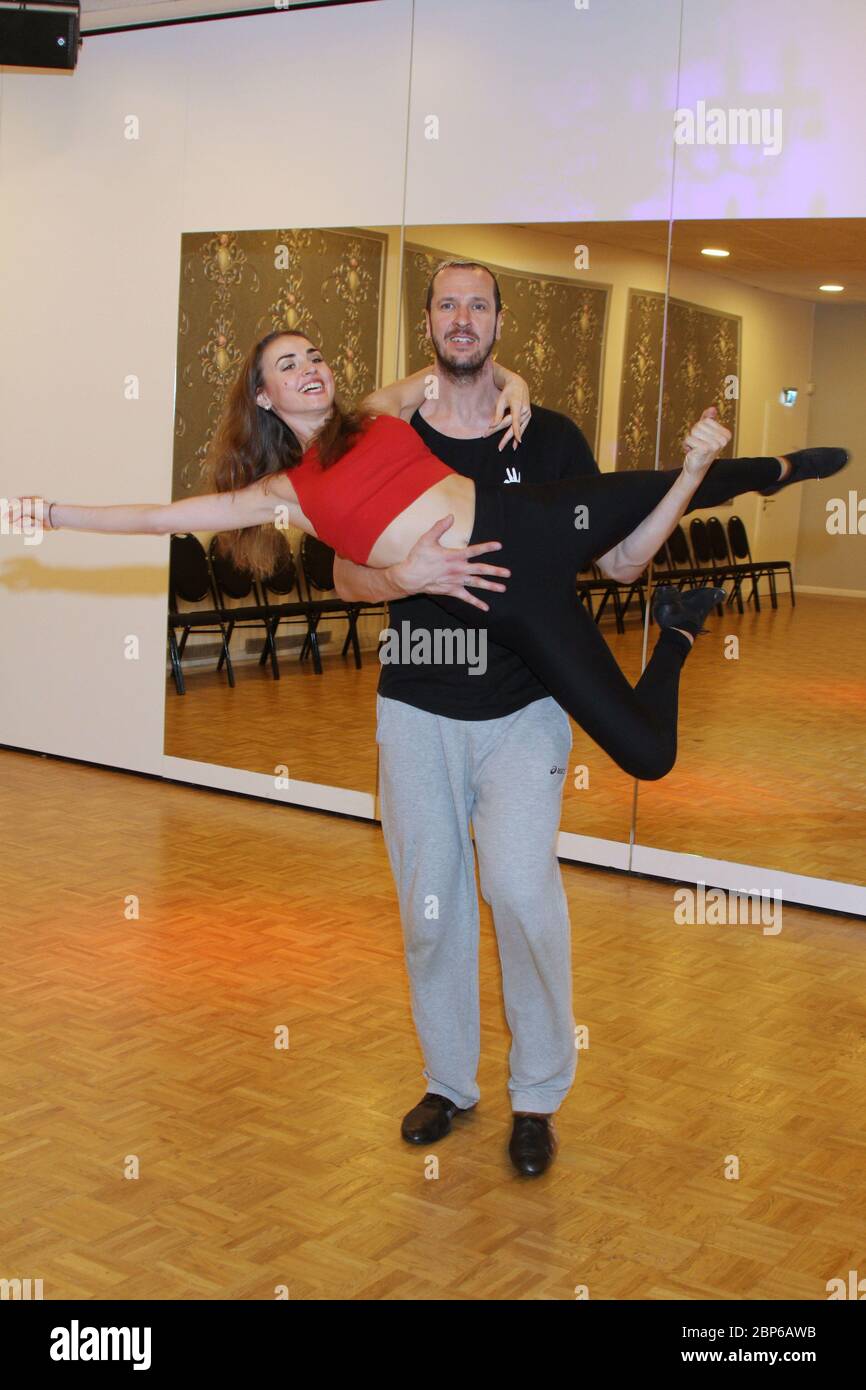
(104, 14)
(790, 256)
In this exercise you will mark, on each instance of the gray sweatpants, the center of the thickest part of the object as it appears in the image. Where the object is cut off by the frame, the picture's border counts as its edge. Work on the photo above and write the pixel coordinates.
(506, 775)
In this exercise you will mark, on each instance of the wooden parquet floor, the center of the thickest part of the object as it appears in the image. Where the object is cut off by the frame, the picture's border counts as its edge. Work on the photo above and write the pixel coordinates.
(152, 1040)
(775, 739)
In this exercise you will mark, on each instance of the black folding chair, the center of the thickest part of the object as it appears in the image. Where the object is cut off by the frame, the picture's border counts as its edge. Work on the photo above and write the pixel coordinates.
(317, 568)
(682, 571)
(190, 579)
(236, 584)
(741, 551)
(281, 584)
(718, 542)
(705, 562)
(592, 584)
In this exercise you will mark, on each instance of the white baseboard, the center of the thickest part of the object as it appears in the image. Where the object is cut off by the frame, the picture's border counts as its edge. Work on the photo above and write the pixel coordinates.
(827, 893)
(587, 849)
(237, 779)
(752, 878)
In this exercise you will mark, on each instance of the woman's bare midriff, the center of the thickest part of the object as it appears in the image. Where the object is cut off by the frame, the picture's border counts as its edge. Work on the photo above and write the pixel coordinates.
(453, 495)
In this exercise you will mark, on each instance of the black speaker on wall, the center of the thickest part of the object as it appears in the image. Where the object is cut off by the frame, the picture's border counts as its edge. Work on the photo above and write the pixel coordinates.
(40, 35)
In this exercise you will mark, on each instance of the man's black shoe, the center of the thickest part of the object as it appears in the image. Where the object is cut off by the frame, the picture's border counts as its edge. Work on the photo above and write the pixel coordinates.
(430, 1120)
(533, 1143)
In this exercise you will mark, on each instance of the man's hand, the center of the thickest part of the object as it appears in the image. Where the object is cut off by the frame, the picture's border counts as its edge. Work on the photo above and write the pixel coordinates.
(431, 568)
(704, 442)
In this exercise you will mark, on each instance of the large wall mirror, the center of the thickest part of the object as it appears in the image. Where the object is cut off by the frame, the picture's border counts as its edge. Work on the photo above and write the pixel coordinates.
(767, 319)
(626, 326)
(567, 293)
(602, 336)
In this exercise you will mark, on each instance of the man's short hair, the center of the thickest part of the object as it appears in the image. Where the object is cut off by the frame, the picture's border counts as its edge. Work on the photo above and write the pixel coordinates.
(464, 265)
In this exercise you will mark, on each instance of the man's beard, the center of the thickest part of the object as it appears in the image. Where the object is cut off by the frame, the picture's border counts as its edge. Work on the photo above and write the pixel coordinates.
(467, 367)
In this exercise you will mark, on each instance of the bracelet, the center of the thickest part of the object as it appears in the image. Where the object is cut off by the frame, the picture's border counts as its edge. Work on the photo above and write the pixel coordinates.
(50, 505)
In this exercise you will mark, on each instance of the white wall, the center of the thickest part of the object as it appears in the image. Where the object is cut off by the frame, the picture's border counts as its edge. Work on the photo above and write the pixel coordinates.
(298, 118)
(545, 112)
(243, 123)
(802, 58)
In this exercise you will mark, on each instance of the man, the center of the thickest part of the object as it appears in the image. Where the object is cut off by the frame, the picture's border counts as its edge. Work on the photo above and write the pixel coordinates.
(491, 747)
(460, 745)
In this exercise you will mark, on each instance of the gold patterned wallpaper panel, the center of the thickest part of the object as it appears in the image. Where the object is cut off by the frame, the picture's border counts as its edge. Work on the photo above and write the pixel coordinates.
(235, 287)
(701, 368)
(552, 333)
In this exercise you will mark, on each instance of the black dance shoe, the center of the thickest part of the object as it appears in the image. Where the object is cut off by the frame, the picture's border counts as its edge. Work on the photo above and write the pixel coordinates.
(430, 1119)
(685, 608)
(533, 1143)
(809, 463)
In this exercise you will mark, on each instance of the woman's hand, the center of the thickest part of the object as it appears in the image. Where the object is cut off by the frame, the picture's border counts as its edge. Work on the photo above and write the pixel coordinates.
(24, 514)
(402, 398)
(431, 568)
(513, 411)
(704, 442)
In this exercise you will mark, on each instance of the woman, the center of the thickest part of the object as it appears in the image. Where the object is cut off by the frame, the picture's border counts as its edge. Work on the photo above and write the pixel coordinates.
(286, 454)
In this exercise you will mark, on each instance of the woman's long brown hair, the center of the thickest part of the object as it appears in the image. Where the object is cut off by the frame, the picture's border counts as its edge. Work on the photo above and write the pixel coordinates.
(251, 442)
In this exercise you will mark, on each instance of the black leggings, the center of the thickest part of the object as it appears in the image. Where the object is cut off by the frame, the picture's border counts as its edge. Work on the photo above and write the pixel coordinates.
(540, 617)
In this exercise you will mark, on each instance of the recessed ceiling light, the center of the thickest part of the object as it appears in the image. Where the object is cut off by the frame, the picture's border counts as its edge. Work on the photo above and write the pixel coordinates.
(831, 289)
(714, 251)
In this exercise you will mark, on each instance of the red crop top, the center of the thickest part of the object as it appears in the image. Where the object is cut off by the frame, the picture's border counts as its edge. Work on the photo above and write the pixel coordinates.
(351, 503)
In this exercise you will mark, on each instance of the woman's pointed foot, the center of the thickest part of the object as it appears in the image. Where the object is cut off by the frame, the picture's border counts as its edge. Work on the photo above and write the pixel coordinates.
(685, 608)
(809, 463)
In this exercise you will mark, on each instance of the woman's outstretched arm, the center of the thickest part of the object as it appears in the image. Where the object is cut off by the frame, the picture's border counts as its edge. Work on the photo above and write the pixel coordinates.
(217, 511)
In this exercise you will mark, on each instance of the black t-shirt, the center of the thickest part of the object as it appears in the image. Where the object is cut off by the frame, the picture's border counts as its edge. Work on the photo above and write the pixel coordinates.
(552, 448)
